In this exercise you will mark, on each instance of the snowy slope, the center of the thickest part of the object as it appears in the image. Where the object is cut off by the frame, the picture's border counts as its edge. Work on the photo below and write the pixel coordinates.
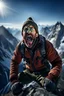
(18, 35)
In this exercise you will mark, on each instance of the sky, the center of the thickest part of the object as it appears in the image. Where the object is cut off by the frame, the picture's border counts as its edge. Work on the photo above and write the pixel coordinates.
(16, 12)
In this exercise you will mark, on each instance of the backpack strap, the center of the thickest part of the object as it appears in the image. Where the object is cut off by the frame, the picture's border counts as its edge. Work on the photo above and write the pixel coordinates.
(43, 53)
(22, 49)
(43, 46)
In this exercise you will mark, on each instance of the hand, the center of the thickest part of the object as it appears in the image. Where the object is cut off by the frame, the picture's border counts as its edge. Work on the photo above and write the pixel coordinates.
(16, 88)
(40, 79)
(49, 85)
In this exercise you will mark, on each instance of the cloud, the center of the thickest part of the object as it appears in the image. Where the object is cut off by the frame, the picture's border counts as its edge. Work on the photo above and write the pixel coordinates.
(11, 25)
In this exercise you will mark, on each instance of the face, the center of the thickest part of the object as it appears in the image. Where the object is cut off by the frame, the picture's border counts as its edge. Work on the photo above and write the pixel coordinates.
(29, 35)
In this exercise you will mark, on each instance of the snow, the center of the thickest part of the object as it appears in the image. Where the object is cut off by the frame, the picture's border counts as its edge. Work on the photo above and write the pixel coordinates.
(53, 40)
(58, 28)
(18, 35)
(61, 47)
(40, 27)
(62, 39)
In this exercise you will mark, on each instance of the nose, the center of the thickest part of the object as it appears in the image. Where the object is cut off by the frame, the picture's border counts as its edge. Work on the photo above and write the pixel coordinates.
(27, 33)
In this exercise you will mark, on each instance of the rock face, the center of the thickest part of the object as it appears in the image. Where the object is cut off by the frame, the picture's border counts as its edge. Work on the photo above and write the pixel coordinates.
(35, 90)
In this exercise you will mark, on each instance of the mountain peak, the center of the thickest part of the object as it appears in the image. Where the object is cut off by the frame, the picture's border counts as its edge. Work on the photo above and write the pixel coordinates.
(2, 26)
(59, 23)
(3, 29)
(6, 33)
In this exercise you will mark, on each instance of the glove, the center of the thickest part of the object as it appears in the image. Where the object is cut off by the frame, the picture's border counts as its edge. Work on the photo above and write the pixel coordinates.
(40, 79)
(16, 88)
(49, 85)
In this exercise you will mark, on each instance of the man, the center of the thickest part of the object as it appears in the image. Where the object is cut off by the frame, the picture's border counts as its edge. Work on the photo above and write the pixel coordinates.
(32, 49)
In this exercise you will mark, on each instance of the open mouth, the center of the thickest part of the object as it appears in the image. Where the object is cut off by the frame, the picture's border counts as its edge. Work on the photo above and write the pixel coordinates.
(29, 40)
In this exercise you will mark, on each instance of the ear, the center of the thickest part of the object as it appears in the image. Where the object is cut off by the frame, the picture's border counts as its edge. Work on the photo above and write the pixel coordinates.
(36, 34)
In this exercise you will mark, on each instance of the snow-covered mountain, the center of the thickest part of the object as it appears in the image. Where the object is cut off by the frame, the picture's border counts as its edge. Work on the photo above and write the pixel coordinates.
(44, 30)
(56, 34)
(15, 32)
(7, 44)
(8, 36)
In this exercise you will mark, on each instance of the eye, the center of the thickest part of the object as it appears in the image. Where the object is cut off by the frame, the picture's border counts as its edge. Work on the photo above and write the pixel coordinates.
(31, 29)
(26, 29)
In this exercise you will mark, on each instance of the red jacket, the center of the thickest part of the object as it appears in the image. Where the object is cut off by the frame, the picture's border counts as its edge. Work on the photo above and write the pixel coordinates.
(52, 56)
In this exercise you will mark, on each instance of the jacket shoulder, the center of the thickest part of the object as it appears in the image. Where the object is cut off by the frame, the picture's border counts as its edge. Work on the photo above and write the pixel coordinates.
(21, 48)
(49, 44)
(19, 44)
